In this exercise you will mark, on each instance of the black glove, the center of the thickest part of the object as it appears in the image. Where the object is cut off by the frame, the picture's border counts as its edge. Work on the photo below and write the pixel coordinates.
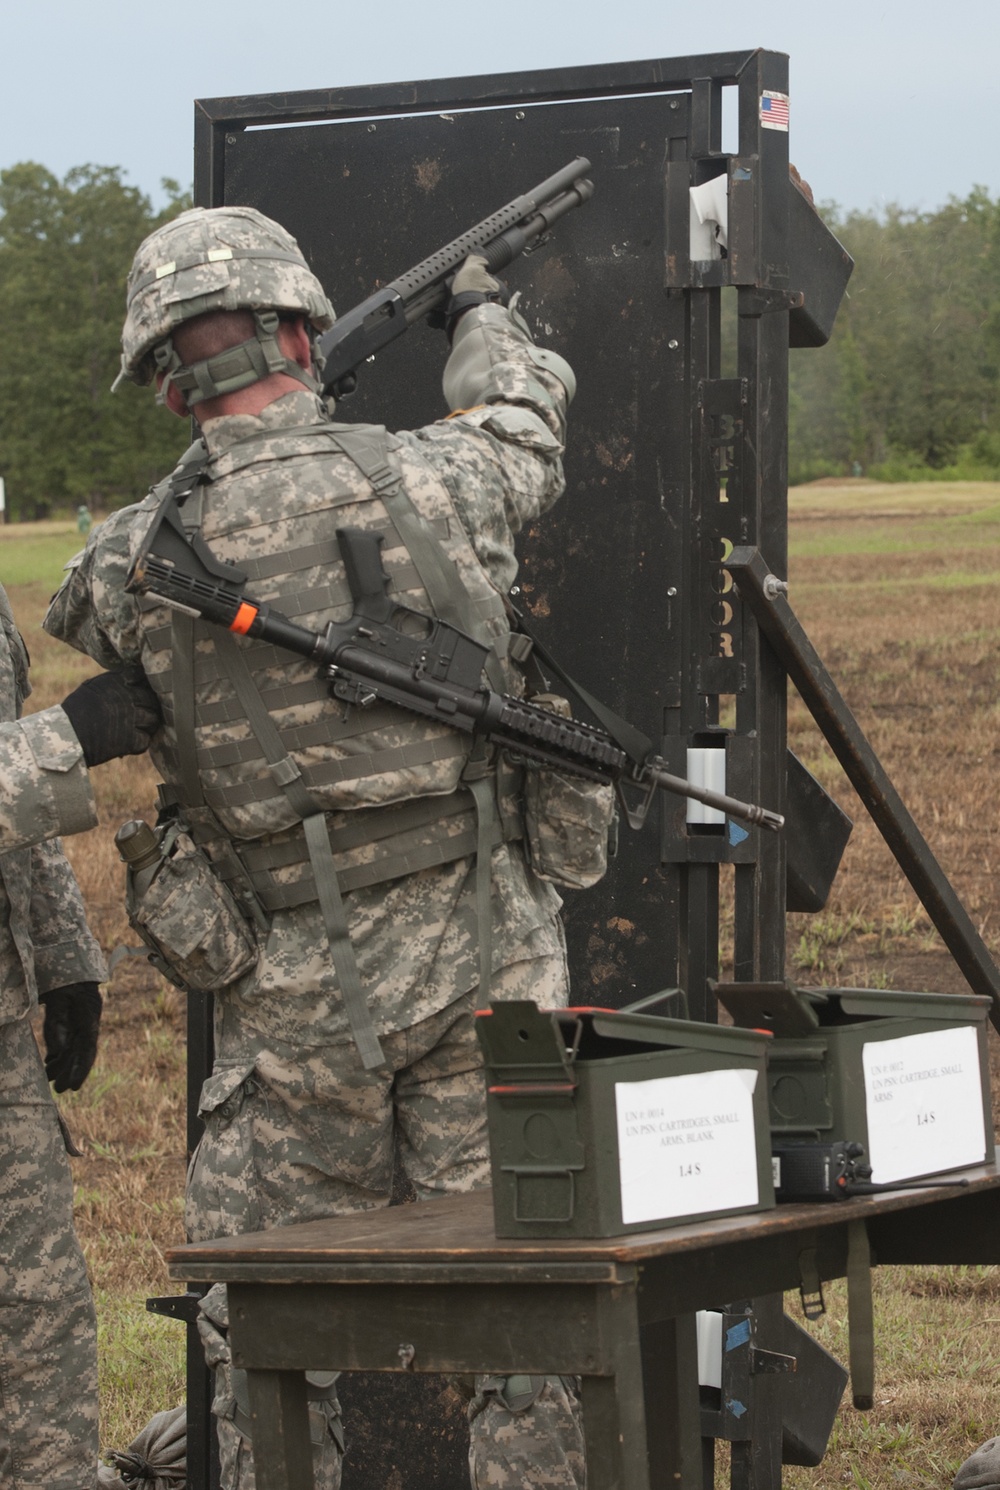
(72, 1019)
(114, 714)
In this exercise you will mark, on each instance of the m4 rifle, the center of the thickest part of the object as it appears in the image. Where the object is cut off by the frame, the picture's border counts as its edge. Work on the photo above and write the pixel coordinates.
(387, 652)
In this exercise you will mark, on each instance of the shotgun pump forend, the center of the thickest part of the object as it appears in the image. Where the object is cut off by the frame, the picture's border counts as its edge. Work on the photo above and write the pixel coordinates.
(429, 667)
(500, 238)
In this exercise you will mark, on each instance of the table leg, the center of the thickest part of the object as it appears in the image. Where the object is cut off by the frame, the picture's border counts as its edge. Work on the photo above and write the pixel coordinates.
(282, 1451)
(615, 1441)
(755, 1463)
(860, 1312)
(614, 1407)
(673, 1404)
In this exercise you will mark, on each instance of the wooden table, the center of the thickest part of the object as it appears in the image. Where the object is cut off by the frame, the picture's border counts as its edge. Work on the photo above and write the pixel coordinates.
(430, 1288)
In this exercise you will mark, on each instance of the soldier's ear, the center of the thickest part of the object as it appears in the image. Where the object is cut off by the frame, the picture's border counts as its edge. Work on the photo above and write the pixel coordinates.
(293, 339)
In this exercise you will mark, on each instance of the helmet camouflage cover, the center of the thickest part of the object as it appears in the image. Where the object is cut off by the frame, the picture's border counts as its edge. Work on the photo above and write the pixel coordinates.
(213, 258)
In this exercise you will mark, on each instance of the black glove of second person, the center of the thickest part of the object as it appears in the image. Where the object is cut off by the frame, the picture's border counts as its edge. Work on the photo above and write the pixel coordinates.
(116, 713)
(72, 1020)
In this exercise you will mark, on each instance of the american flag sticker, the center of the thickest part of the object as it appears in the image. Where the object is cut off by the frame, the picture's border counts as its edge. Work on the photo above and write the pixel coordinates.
(774, 110)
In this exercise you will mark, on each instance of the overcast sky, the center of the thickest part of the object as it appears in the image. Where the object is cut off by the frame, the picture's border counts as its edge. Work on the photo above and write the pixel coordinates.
(891, 100)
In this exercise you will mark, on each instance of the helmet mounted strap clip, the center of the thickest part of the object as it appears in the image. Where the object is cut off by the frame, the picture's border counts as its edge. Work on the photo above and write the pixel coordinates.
(234, 368)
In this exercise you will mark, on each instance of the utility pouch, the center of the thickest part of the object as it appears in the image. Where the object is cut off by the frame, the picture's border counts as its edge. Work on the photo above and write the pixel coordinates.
(568, 820)
(198, 936)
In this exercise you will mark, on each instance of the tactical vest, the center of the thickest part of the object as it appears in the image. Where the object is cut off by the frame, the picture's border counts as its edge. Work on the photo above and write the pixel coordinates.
(292, 799)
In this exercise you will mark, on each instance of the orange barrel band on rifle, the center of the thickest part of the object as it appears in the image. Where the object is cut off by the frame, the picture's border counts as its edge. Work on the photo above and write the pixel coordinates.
(244, 618)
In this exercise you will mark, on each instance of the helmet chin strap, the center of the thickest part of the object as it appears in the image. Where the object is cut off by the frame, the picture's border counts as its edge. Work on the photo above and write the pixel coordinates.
(229, 371)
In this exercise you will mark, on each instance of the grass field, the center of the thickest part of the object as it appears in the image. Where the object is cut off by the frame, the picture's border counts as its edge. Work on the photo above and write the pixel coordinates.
(897, 588)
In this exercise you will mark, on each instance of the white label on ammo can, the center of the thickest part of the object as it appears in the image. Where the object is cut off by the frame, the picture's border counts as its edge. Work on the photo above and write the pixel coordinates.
(924, 1103)
(686, 1145)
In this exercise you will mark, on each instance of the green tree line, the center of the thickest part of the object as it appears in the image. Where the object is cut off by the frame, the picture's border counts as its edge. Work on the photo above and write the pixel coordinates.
(65, 251)
(907, 386)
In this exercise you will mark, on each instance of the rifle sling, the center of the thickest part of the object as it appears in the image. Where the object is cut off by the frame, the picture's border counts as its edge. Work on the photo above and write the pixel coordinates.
(635, 744)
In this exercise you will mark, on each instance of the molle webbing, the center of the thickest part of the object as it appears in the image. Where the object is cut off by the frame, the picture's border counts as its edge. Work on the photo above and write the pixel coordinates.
(396, 837)
(368, 448)
(350, 766)
(286, 697)
(326, 554)
(451, 602)
(288, 776)
(323, 773)
(331, 852)
(428, 565)
(326, 597)
(396, 834)
(330, 774)
(450, 599)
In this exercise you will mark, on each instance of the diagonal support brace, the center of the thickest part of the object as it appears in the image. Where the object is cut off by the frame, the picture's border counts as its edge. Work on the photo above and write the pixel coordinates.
(766, 601)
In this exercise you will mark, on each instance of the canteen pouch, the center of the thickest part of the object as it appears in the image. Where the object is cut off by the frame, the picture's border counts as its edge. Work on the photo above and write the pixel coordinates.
(568, 820)
(187, 916)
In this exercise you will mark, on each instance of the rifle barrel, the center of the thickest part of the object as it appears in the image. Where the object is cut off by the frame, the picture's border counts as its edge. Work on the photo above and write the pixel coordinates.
(750, 812)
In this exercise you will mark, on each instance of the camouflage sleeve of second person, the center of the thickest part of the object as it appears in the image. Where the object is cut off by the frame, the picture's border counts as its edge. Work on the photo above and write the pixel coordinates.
(65, 949)
(92, 610)
(45, 787)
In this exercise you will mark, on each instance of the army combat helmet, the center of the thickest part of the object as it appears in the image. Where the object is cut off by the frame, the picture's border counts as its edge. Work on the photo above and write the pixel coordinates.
(217, 258)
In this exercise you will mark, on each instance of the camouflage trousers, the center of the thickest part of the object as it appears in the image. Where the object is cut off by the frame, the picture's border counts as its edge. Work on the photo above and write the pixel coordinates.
(297, 1135)
(48, 1349)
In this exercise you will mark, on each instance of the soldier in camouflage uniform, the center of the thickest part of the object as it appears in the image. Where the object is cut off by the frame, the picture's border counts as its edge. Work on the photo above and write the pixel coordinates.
(378, 859)
(48, 1357)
